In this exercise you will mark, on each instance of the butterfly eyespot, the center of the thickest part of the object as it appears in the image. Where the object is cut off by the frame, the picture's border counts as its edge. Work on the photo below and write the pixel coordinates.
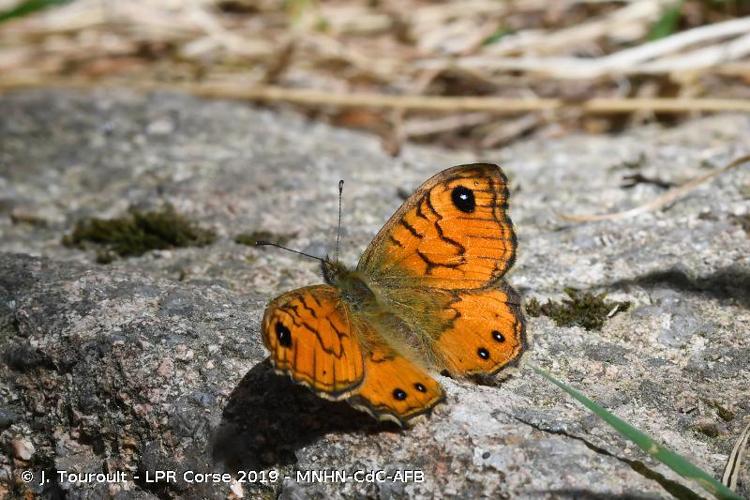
(420, 387)
(283, 335)
(499, 337)
(463, 199)
(483, 353)
(399, 394)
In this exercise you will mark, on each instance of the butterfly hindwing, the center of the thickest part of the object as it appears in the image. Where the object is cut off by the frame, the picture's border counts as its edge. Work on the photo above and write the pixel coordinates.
(311, 338)
(394, 388)
(452, 233)
(486, 332)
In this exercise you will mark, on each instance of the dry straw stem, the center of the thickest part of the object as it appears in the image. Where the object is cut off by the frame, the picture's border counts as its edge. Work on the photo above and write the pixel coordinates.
(702, 58)
(317, 98)
(660, 201)
(498, 105)
(507, 130)
(734, 462)
(420, 127)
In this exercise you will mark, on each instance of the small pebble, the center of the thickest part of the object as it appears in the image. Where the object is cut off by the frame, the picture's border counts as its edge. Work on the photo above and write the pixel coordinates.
(22, 448)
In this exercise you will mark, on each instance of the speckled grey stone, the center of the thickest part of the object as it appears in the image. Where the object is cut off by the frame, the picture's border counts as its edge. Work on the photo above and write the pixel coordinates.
(156, 363)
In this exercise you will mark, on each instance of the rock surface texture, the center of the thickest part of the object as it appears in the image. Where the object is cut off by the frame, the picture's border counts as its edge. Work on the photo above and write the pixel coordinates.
(155, 363)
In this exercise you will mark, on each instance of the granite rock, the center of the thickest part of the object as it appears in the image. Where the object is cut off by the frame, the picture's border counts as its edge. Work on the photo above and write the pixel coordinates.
(155, 363)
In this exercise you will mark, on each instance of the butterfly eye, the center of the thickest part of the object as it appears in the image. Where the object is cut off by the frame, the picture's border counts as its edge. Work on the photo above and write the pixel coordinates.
(399, 394)
(483, 353)
(283, 335)
(463, 199)
(499, 337)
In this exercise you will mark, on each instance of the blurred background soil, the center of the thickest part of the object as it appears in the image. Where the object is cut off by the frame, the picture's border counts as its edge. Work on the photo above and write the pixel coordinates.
(471, 74)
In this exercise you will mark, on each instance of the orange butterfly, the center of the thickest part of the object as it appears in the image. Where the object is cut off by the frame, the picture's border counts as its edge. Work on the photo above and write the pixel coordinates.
(427, 294)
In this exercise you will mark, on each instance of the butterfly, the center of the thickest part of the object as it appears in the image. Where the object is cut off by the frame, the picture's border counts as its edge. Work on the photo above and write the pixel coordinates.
(427, 295)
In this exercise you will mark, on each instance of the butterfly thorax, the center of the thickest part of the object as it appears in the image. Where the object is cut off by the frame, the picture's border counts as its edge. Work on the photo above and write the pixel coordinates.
(351, 284)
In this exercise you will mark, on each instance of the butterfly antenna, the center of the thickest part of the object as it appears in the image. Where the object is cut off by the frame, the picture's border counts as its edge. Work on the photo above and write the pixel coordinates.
(271, 244)
(338, 229)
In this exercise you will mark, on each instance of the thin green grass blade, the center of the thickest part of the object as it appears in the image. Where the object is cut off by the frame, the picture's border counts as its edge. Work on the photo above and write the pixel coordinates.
(28, 7)
(497, 36)
(669, 458)
(667, 23)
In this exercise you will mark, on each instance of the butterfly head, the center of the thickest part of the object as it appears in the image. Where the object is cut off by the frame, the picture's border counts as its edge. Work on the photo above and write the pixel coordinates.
(352, 285)
(333, 270)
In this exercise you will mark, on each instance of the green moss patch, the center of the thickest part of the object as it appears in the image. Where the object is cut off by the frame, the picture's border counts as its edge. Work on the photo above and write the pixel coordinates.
(252, 238)
(583, 309)
(137, 233)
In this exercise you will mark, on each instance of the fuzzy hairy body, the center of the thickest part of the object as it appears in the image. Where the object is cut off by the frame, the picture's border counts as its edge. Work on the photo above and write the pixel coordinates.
(407, 317)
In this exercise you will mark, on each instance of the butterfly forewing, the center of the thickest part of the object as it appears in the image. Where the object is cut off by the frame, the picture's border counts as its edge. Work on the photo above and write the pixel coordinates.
(311, 338)
(452, 233)
(438, 264)
(395, 388)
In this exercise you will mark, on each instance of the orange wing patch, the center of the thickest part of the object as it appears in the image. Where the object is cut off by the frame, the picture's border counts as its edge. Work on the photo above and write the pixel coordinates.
(453, 233)
(311, 339)
(487, 332)
(395, 388)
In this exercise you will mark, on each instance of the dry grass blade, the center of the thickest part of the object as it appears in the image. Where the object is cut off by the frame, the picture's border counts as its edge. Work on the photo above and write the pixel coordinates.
(372, 100)
(640, 59)
(660, 201)
(676, 42)
(505, 132)
(699, 58)
(734, 462)
(429, 126)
